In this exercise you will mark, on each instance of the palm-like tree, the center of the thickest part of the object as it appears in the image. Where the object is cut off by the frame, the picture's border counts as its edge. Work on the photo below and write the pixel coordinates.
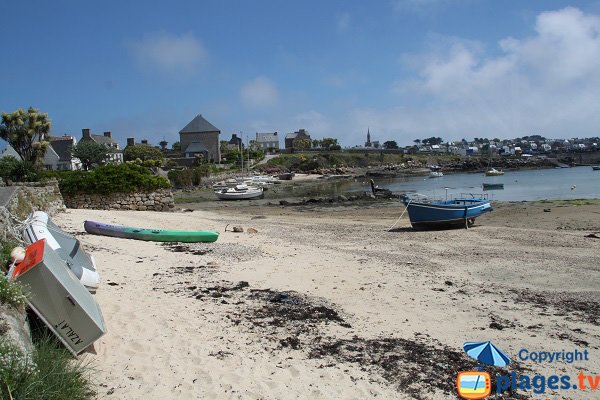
(26, 132)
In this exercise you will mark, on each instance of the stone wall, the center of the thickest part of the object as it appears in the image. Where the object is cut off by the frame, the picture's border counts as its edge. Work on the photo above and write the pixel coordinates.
(21, 199)
(160, 200)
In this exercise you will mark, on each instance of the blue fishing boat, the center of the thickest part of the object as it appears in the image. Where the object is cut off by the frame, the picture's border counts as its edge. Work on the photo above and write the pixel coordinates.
(454, 213)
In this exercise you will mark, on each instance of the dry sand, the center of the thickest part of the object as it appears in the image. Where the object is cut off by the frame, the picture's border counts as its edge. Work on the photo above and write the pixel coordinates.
(325, 303)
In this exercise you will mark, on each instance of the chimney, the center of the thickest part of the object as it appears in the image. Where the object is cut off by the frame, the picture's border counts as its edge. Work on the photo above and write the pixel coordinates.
(86, 132)
(130, 141)
(108, 134)
(145, 141)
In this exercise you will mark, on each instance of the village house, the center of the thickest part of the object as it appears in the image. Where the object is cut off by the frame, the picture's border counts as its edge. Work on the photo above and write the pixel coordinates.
(200, 137)
(292, 139)
(268, 142)
(116, 156)
(61, 160)
(57, 157)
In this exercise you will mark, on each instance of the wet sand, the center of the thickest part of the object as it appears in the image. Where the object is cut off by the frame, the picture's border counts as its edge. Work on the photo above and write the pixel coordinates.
(324, 302)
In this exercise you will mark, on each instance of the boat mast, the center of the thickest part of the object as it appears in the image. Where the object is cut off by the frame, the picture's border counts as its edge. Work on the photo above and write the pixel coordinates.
(242, 152)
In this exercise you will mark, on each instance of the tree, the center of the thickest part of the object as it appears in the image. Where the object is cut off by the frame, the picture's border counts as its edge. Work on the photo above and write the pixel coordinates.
(433, 140)
(302, 144)
(329, 144)
(143, 152)
(90, 153)
(316, 143)
(417, 141)
(26, 132)
(390, 144)
(176, 146)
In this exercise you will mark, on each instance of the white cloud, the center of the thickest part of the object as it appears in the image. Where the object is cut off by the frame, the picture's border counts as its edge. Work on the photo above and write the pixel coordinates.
(259, 93)
(170, 53)
(542, 84)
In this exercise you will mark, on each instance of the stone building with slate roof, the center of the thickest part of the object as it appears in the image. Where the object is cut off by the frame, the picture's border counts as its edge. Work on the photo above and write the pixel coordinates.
(61, 146)
(116, 157)
(268, 142)
(291, 138)
(200, 137)
(58, 154)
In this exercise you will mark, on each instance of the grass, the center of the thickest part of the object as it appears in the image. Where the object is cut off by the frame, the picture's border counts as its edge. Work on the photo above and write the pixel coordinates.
(50, 373)
(574, 202)
(11, 293)
(5, 249)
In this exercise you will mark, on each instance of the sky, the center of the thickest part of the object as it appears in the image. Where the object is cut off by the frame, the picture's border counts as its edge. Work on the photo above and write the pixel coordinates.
(402, 69)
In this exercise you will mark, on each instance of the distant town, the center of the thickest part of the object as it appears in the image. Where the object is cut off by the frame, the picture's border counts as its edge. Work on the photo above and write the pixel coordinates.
(201, 139)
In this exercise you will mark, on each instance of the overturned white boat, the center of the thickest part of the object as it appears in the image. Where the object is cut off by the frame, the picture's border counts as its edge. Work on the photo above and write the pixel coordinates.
(39, 226)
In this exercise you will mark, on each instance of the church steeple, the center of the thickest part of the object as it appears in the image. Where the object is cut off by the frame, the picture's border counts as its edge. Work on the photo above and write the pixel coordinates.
(368, 143)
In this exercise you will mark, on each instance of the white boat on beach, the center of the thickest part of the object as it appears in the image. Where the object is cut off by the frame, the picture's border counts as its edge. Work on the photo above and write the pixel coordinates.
(240, 192)
(39, 226)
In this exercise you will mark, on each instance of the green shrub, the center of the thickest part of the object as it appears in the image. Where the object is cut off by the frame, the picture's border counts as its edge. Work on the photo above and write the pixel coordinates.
(18, 171)
(50, 374)
(5, 249)
(106, 179)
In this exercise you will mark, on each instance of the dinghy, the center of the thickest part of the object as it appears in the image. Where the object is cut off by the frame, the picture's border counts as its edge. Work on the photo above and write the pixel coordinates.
(155, 235)
(458, 212)
(39, 226)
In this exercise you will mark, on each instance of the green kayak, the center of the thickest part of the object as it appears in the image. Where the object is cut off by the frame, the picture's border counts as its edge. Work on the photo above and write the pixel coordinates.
(156, 235)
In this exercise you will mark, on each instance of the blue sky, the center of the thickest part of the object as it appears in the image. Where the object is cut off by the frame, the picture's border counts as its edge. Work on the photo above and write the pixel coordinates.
(404, 69)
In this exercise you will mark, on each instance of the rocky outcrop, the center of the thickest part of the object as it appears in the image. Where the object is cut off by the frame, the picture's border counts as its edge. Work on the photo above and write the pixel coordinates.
(14, 328)
(20, 199)
(160, 200)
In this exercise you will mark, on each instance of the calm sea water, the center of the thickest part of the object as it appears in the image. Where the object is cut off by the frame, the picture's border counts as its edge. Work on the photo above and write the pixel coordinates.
(540, 184)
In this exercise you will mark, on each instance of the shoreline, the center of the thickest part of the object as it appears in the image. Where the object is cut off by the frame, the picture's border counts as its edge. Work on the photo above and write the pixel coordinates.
(297, 307)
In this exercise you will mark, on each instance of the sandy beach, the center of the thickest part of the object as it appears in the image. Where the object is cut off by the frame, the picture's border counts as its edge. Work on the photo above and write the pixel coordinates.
(324, 302)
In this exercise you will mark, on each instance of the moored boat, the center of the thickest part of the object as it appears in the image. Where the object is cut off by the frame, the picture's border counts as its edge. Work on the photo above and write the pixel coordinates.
(155, 235)
(287, 176)
(596, 167)
(492, 186)
(240, 192)
(458, 212)
(494, 172)
(436, 171)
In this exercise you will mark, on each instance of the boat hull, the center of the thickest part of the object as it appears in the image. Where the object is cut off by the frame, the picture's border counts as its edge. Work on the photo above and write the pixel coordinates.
(493, 186)
(82, 264)
(450, 214)
(248, 194)
(155, 235)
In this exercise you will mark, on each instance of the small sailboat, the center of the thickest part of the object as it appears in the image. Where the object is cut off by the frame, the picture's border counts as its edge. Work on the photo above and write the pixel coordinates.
(494, 172)
(491, 171)
(436, 171)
